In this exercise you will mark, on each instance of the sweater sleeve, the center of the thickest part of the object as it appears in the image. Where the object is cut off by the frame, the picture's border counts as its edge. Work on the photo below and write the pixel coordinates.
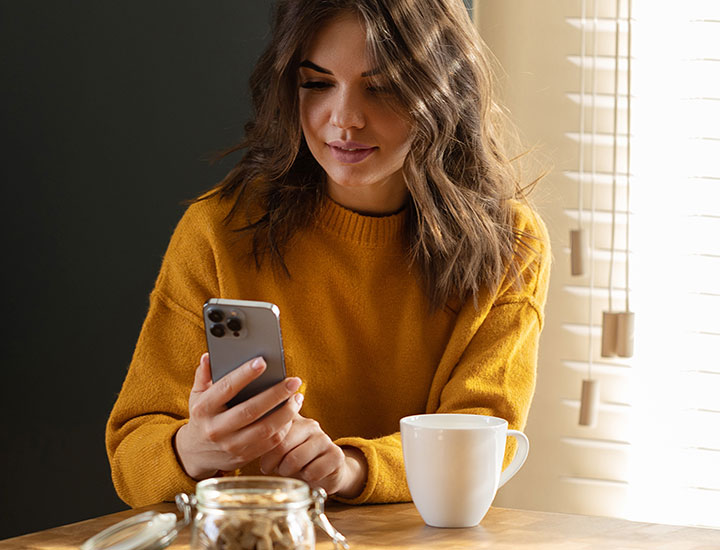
(488, 368)
(153, 402)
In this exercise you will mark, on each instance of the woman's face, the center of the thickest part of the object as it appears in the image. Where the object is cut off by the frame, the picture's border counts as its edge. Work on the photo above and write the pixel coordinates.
(351, 125)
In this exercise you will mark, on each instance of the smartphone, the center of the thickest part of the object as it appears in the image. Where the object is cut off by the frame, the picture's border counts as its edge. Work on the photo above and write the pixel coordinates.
(240, 330)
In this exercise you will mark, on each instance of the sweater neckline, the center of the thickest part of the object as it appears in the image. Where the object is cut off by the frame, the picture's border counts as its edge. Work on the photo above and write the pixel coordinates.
(359, 228)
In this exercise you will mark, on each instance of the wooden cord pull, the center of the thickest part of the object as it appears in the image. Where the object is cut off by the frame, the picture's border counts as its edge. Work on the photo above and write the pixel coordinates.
(608, 346)
(589, 403)
(624, 346)
(577, 252)
(618, 334)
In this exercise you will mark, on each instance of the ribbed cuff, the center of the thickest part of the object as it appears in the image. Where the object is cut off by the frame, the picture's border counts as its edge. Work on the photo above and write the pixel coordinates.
(146, 469)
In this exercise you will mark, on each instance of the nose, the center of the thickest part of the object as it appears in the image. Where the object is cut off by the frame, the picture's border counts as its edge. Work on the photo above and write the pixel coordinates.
(347, 110)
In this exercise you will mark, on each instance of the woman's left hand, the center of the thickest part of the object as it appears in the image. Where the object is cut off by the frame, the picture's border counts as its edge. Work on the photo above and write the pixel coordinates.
(308, 453)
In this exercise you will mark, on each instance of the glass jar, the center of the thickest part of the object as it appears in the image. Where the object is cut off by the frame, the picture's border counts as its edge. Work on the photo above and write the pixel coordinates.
(258, 513)
(230, 513)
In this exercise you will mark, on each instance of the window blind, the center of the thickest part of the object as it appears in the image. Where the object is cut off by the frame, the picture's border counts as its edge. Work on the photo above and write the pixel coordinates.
(654, 453)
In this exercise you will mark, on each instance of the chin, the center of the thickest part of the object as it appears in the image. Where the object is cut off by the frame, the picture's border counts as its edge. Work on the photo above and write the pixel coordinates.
(349, 179)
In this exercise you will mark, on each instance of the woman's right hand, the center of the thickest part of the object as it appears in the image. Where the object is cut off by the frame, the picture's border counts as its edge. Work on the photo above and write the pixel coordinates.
(217, 438)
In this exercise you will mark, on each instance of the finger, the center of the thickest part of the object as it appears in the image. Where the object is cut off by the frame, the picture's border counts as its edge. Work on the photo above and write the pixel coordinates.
(203, 378)
(325, 468)
(245, 413)
(230, 385)
(264, 435)
(252, 441)
(300, 432)
(298, 458)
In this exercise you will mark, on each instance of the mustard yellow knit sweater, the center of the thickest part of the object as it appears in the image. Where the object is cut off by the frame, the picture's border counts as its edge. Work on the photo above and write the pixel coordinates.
(356, 330)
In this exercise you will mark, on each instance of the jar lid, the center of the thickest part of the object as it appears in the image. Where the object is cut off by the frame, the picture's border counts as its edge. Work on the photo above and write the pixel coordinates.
(146, 531)
(252, 492)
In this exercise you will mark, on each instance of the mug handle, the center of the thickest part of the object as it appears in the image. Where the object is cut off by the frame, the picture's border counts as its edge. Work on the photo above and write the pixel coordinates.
(523, 447)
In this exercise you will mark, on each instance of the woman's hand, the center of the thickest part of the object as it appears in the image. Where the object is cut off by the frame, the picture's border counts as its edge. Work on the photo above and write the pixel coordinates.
(308, 453)
(217, 438)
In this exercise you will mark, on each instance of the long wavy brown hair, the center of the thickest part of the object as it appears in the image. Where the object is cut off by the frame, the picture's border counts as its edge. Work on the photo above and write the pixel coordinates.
(427, 52)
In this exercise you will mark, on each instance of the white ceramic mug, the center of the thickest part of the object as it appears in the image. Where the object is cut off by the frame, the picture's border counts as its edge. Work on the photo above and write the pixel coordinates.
(453, 464)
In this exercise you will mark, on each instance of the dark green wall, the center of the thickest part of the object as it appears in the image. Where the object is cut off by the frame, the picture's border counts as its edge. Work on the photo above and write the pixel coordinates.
(109, 111)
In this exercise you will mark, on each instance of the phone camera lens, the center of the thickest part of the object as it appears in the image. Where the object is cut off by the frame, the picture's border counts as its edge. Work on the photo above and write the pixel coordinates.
(216, 315)
(234, 324)
(217, 330)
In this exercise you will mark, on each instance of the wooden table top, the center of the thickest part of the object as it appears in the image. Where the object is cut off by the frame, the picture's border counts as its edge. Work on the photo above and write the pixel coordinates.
(400, 527)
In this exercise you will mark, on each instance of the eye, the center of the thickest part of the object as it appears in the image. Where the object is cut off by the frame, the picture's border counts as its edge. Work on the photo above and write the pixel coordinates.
(314, 85)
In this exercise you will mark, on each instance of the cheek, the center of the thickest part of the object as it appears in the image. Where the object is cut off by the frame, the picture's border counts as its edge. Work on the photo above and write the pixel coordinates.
(398, 131)
(310, 116)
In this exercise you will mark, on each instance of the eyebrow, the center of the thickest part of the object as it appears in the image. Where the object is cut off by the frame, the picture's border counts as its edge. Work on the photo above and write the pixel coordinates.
(310, 65)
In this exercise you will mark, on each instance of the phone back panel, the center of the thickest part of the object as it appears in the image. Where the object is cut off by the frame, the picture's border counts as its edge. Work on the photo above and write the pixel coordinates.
(258, 334)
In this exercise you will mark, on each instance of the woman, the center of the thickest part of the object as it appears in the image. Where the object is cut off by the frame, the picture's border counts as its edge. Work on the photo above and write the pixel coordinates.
(375, 207)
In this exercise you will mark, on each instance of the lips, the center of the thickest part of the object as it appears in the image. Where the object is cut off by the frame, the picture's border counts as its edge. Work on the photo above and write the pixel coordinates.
(350, 152)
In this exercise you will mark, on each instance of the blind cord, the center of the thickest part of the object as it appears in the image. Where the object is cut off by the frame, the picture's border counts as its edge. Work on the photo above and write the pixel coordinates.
(614, 154)
(590, 393)
(627, 188)
(582, 117)
(593, 175)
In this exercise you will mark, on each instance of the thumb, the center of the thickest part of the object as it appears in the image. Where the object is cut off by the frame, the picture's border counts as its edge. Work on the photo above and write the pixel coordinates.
(203, 378)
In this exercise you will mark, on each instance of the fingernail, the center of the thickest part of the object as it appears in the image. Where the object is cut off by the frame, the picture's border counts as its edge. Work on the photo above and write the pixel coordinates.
(299, 398)
(257, 364)
(293, 384)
